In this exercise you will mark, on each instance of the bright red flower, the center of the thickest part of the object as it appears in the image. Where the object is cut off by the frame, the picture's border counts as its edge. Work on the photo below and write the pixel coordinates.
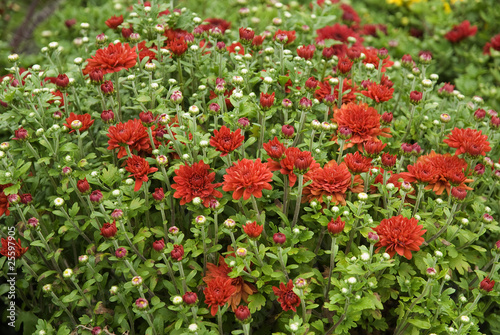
(83, 118)
(159, 245)
(338, 32)
(257, 42)
(243, 289)
(246, 35)
(109, 230)
(131, 133)
(347, 91)
(468, 141)
(144, 51)
(399, 235)
(252, 229)
(336, 226)
(286, 297)
(193, 181)
(217, 293)
(460, 32)
(266, 100)
(344, 66)
(331, 180)
(486, 284)
(4, 203)
(18, 251)
(494, 44)
(289, 34)
(421, 172)
(373, 148)
(114, 21)
(177, 46)
(177, 253)
(83, 185)
(275, 149)
(364, 122)
(246, 178)
(139, 167)
(372, 58)
(387, 160)
(378, 93)
(287, 164)
(226, 141)
(306, 51)
(357, 163)
(114, 58)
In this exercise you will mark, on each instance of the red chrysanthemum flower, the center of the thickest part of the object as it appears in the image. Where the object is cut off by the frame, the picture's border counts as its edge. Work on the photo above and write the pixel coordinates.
(290, 34)
(286, 297)
(349, 14)
(232, 48)
(357, 163)
(468, 141)
(399, 235)
(217, 293)
(172, 34)
(422, 173)
(348, 92)
(461, 32)
(193, 181)
(144, 51)
(364, 122)
(226, 141)
(85, 119)
(494, 44)
(393, 179)
(338, 32)
(275, 149)
(114, 58)
(114, 21)
(109, 230)
(306, 51)
(445, 165)
(139, 167)
(7, 245)
(243, 289)
(287, 164)
(331, 180)
(177, 253)
(222, 24)
(4, 203)
(131, 133)
(372, 58)
(247, 178)
(252, 229)
(378, 93)
(373, 29)
(177, 46)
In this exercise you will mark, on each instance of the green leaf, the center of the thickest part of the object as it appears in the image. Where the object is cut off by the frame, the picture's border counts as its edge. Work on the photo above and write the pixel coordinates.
(21, 171)
(420, 323)
(256, 301)
(143, 98)
(136, 203)
(12, 189)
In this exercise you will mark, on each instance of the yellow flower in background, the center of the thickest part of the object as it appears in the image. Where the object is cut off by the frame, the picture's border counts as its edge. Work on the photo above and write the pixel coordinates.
(403, 2)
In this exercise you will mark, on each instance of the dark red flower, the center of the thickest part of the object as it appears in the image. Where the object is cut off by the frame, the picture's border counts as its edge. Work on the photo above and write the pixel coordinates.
(286, 297)
(107, 87)
(114, 21)
(336, 226)
(388, 160)
(458, 193)
(274, 148)
(126, 32)
(468, 141)
(217, 293)
(226, 141)
(349, 14)
(158, 194)
(114, 58)
(338, 32)
(399, 235)
(20, 134)
(290, 36)
(348, 92)
(357, 163)
(494, 44)
(246, 178)
(266, 100)
(190, 298)
(96, 196)
(159, 245)
(177, 46)
(85, 119)
(131, 133)
(193, 181)
(70, 23)
(344, 66)
(242, 313)
(8, 244)
(460, 32)
(279, 238)
(485, 285)
(26, 198)
(246, 35)
(140, 169)
(83, 185)
(287, 131)
(62, 81)
(306, 51)
(177, 253)
(303, 162)
(252, 229)
(378, 93)
(109, 230)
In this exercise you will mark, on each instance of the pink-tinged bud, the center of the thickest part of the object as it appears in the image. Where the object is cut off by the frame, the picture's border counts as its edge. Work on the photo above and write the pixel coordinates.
(406, 149)
(300, 283)
(279, 238)
(287, 131)
(387, 118)
(220, 47)
(416, 149)
(215, 32)
(311, 84)
(57, 115)
(158, 194)
(220, 89)
(241, 252)
(96, 330)
(458, 193)
(159, 245)
(415, 97)
(190, 298)
(147, 118)
(487, 218)
(305, 103)
(383, 53)
(96, 76)
(281, 38)
(431, 272)
(96, 196)
(176, 97)
(373, 237)
(20, 134)
(406, 186)
(13, 199)
(101, 39)
(336, 226)
(479, 169)
(243, 123)
(198, 31)
(141, 304)
(117, 214)
(213, 204)
(487, 284)
(344, 133)
(214, 108)
(62, 81)
(121, 253)
(107, 87)
(479, 114)
(407, 61)
(70, 23)
(303, 162)
(492, 112)
(173, 230)
(388, 160)
(246, 35)
(287, 104)
(497, 245)
(329, 100)
(26, 198)
(425, 57)
(495, 122)
(107, 116)
(242, 313)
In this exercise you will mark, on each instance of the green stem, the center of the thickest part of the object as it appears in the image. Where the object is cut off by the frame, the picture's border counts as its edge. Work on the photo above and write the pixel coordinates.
(117, 87)
(283, 265)
(333, 250)
(219, 321)
(412, 111)
(402, 325)
(183, 277)
(419, 198)
(87, 302)
(341, 151)
(137, 252)
(353, 229)
(75, 226)
(340, 91)
(63, 306)
(300, 181)
(299, 130)
(450, 219)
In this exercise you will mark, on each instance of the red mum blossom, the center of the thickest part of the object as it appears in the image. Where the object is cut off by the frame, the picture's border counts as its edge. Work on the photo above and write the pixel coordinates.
(246, 178)
(114, 21)
(373, 29)
(357, 163)
(83, 118)
(348, 92)
(144, 51)
(274, 148)
(286, 297)
(226, 141)
(109, 230)
(266, 100)
(349, 14)
(344, 66)
(378, 93)
(331, 180)
(139, 167)
(193, 181)
(287, 164)
(364, 122)
(373, 148)
(114, 58)
(257, 42)
(468, 141)
(399, 235)
(494, 44)
(177, 253)
(83, 186)
(422, 173)
(372, 58)
(336, 226)
(172, 34)
(7, 245)
(306, 51)
(243, 289)
(177, 46)
(4, 203)
(232, 48)
(131, 133)
(290, 35)
(252, 229)
(222, 24)
(217, 293)
(460, 32)
(338, 32)
(486, 284)
(445, 166)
